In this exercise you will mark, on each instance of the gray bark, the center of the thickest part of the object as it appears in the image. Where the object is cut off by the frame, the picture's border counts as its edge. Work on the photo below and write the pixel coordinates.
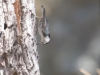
(18, 55)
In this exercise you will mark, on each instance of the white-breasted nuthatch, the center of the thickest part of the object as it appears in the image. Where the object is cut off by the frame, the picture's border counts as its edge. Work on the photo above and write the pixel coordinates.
(43, 28)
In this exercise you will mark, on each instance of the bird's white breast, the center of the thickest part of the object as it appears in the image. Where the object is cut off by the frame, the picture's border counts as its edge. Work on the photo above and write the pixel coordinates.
(47, 39)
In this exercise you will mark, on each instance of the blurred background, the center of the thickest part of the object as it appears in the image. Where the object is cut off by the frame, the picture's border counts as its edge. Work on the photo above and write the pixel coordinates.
(74, 48)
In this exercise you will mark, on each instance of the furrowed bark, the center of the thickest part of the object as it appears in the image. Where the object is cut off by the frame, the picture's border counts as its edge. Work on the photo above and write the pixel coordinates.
(18, 55)
(28, 39)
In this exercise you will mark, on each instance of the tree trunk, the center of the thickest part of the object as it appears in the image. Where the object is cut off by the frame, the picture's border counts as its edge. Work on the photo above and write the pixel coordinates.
(18, 55)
